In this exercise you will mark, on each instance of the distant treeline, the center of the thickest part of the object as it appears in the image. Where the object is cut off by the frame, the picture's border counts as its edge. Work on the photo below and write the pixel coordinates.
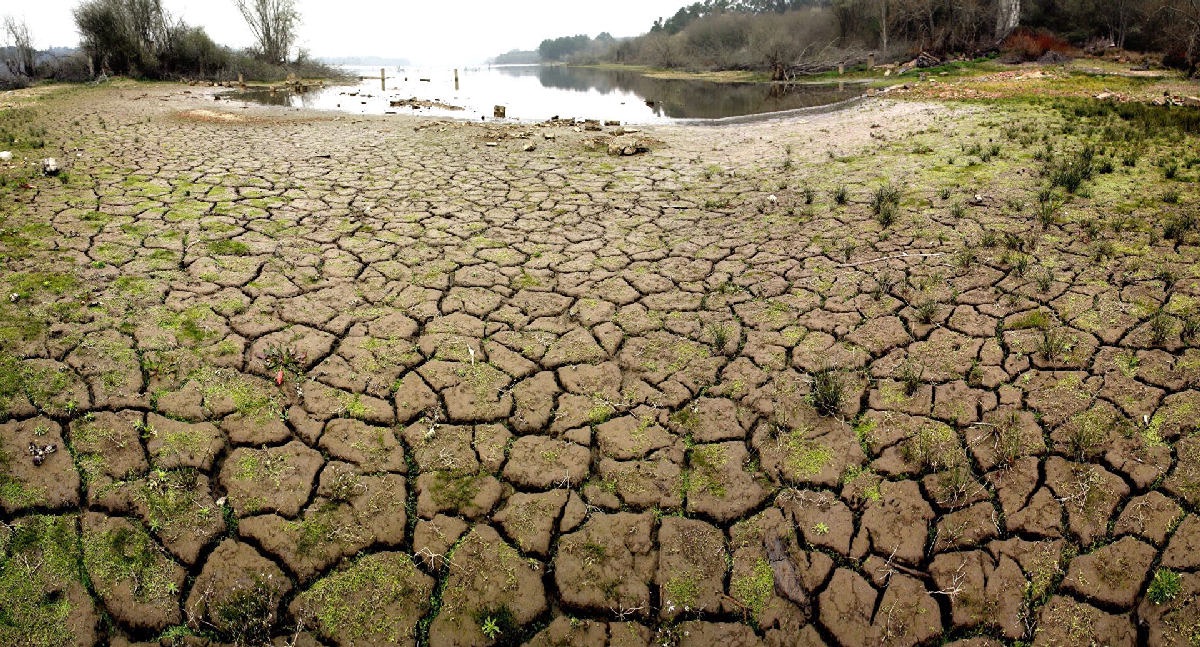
(567, 47)
(812, 35)
(518, 57)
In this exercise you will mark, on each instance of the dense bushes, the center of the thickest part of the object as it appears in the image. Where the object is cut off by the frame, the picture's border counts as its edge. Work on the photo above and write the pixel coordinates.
(1030, 45)
(816, 34)
(770, 42)
(125, 36)
(139, 38)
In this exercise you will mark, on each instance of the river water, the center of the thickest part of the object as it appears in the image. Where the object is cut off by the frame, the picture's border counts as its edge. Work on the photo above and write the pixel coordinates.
(540, 92)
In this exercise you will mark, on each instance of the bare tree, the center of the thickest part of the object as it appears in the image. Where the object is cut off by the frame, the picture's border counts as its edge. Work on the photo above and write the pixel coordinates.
(18, 33)
(883, 26)
(1008, 16)
(1186, 14)
(125, 36)
(273, 23)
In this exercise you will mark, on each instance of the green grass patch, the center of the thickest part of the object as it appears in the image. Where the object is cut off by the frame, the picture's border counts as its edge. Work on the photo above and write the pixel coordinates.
(228, 248)
(126, 555)
(347, 604)
(39, 559)
(755, 589)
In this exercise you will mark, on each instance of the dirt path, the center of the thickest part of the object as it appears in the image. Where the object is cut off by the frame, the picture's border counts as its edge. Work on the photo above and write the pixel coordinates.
(346, 380)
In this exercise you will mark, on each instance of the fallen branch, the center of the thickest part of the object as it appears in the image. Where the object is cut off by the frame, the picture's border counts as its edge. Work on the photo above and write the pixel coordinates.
(890, 258)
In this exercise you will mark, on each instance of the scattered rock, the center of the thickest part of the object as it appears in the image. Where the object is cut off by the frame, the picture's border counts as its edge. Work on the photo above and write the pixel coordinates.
(627, 145)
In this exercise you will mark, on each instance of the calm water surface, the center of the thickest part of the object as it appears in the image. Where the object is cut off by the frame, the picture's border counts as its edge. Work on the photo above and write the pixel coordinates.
(539, 92)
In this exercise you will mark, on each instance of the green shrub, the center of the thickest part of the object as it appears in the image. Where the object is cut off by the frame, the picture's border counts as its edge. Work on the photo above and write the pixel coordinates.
(1165, 586)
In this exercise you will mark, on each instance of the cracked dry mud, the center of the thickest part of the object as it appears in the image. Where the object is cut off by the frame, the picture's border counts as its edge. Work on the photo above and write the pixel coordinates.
(357, 381)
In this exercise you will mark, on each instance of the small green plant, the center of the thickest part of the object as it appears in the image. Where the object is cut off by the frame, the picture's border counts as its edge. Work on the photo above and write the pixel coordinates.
(720, 335)
(965, 257)
(1178, 226)
(841, 195)
(1009, 441)
(246, 616)
(1047, 208)
(1071, 174)
(886, 215)
(821, 528)
(911, 376)
(280, 360)
(1190, 330)
(490, 628)
(1165, 586)
(885, 203)
(828, 391)
(1162, 325)
(1044, 280)
(1102, 250)
(883, 286)
(1056, 345)
(1021, 264)
(925, 312)
(933, 447)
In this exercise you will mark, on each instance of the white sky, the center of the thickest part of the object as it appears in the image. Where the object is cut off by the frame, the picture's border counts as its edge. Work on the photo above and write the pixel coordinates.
(443, 31)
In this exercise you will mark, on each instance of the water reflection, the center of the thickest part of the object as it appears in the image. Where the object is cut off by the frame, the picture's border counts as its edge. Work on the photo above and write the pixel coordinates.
(687, 98)
(534, 92)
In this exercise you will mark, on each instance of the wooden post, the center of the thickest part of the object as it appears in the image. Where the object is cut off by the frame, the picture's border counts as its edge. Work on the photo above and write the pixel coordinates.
(456, 78)
(383, 79)
(871, 61)
(241, 79)
(841, 69)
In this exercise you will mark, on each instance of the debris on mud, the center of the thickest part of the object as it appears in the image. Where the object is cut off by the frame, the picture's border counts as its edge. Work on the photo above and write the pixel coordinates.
(40, 452)
(419, 104)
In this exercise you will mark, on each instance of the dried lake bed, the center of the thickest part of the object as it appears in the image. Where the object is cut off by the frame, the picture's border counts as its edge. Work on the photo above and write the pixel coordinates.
(918, 370)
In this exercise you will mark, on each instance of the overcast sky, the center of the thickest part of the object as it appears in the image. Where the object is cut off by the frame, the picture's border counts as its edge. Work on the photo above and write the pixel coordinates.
(443, 31)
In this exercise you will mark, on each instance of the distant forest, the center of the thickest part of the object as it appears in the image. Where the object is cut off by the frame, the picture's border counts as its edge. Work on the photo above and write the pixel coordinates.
(814, 35)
